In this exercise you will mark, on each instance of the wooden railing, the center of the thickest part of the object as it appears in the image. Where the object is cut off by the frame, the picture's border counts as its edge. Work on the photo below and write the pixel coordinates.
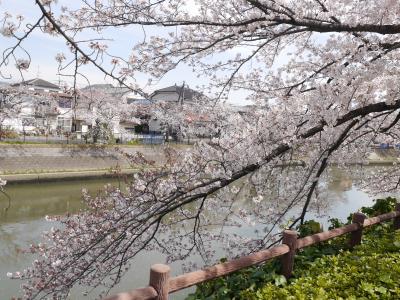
(161, 284)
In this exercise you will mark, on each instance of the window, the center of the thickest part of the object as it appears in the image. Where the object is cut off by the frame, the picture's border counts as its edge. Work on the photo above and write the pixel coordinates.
(41, 122)
(65, 103)
(130, 129)
(27, 121)
(64, 124)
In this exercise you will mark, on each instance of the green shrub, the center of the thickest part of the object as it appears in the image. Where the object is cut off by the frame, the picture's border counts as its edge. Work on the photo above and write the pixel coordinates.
(251, 281)
(381, 206)
(249, 278)
(308, 228)
(133, 142)
(371, 271)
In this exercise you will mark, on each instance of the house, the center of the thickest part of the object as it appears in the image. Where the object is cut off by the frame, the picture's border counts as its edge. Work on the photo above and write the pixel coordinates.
(175, 93)
(47, 109)
(44, 108)
(109, 89)
(173, 96)
(38, 84)
(126, 113)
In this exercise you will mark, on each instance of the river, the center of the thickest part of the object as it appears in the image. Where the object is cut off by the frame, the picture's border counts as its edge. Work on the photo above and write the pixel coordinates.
(23, 222)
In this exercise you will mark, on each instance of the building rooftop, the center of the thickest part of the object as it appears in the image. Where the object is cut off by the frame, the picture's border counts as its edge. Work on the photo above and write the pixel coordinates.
(107, 88)
(99, 86)
(38, 82)
(183, 91)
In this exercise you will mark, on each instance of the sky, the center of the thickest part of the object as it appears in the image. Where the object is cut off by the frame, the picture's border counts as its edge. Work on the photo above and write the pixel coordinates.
(43, 48)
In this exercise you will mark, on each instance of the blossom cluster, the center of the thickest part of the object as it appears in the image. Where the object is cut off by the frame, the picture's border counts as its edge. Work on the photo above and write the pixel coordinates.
(321, 80)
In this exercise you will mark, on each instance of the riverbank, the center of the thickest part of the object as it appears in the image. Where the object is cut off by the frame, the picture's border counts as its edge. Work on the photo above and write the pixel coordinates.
(65, 176)
(20, 163)
(41, 163)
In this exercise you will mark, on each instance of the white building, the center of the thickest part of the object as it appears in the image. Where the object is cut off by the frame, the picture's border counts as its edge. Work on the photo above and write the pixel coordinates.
(43, 108)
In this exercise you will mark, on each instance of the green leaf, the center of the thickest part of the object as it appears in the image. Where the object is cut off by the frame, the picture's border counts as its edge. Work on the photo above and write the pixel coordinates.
(397, 244)
(280, 280)
(381, 289)
(385, 278)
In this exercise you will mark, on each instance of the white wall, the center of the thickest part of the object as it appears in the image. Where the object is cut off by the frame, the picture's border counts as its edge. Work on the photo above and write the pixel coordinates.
(154, 125)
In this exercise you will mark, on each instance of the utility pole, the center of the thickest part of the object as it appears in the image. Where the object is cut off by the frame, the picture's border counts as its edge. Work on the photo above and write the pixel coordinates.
(181, 94)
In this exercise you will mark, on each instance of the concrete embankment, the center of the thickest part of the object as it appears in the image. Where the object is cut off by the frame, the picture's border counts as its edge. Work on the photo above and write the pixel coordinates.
(23, 163)
(41, 162)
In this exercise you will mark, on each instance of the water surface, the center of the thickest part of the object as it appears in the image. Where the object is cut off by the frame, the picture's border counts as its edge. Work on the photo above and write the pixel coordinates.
(23, 222)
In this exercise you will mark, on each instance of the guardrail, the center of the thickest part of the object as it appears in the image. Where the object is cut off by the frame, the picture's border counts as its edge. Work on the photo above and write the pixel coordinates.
(161, 284)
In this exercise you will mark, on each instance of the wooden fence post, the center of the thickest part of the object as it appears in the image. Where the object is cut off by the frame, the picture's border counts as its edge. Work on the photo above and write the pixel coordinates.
(159, 280)
(287, 260)
(396, 222)
(355, 238)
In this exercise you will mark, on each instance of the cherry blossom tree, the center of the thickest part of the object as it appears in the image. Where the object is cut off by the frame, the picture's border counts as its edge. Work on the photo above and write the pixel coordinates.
(322, 79)
(101, 105)
(11, 105)
(101, 108)
(2, 184)
(20, 106)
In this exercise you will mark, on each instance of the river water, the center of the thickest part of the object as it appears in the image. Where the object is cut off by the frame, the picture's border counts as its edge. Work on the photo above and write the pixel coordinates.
(23, 222)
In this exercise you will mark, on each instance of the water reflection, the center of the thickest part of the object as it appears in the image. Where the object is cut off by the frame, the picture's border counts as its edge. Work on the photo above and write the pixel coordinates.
(34, 201)
(24, 222)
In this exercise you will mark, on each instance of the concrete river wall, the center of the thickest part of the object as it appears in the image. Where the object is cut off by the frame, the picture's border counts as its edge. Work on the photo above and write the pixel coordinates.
(19, 163)
(41, 162)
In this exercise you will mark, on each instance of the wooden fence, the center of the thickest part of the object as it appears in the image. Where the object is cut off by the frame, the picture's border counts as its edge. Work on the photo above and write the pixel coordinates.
(161, 284)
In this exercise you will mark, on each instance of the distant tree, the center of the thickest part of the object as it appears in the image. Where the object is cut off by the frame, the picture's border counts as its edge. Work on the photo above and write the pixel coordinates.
(11, 104)
(99, 132)
(103, 105)
(104, 109)
(323, 79)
